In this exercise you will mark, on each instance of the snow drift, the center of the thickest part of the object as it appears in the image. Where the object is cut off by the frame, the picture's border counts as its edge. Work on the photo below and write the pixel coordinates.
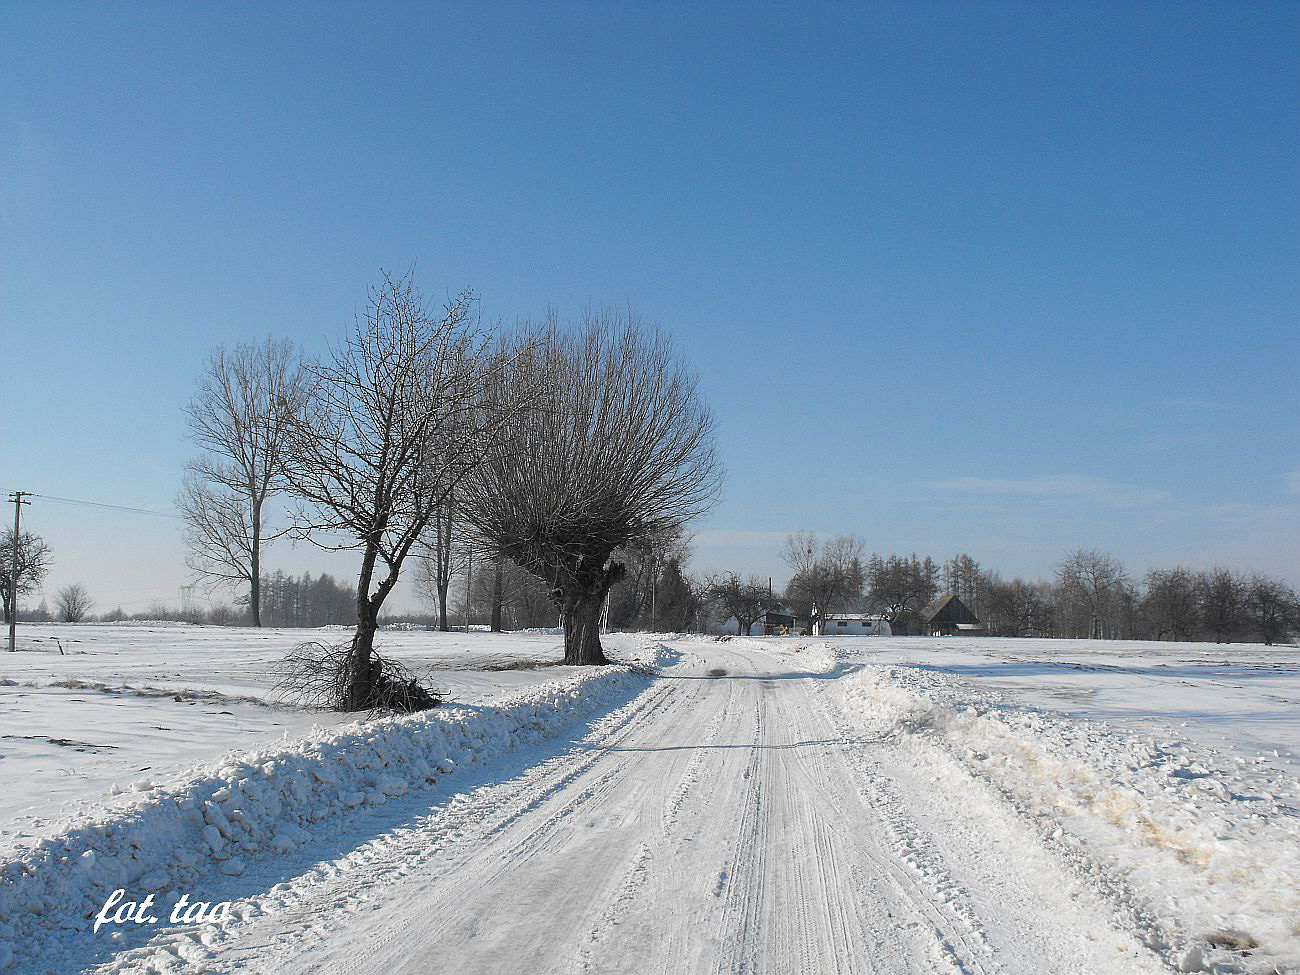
(164, 836)
(1204, 848)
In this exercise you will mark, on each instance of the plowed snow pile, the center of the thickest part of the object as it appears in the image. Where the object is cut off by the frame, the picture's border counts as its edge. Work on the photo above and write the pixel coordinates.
(1200, 849)
(165, 835)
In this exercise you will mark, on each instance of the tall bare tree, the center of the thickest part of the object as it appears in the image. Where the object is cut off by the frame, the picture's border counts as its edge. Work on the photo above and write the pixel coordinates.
(1221, 598)
(901, 587)
(633, 600)
(392, 421)
(73, 603)
(1271, 608)
(1169, 607)
(240, 416)
(745, 599)
(524, 598)
(827, 575)
(618, 446)
(498, 589)
(33, 559)
(964, 578)
(1094, 582)
(442, 556)
(1017, 608)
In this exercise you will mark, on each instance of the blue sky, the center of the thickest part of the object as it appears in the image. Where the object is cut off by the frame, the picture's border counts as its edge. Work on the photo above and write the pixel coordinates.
(1003, 279)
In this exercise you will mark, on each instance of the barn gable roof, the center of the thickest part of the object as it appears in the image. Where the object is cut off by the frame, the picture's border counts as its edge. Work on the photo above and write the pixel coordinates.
(948, 609)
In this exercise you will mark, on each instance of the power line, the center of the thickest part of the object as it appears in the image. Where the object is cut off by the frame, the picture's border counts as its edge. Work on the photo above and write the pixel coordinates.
(111, 507)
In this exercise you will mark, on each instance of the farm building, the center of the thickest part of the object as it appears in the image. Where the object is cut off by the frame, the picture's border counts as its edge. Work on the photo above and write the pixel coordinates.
(949, 616)
(857, 624)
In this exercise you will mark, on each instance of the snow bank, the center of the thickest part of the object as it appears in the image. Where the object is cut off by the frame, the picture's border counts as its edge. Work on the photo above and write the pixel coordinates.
(159, 837)
(1204, 846)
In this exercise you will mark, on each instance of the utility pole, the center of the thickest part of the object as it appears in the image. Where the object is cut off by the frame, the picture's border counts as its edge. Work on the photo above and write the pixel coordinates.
(17, 498)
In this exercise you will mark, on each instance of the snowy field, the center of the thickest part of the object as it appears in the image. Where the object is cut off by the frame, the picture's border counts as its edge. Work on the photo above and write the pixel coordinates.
(127, 700)
(840, 804)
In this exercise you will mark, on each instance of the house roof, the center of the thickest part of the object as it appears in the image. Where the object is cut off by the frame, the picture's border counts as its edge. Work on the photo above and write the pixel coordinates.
(948, 609)
(872, 617)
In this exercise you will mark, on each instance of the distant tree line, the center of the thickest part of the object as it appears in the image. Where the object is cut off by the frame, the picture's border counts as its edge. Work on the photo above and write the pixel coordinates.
(287, 601)
(306, 601)
(1090, 595)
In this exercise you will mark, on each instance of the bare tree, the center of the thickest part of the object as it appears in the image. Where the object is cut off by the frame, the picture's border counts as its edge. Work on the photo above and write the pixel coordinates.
(498, 589)
(33, 559)
(1169, 607)
(745, 599)
(392, 421)
(1221, 595)
(1017, 608)
(619, 446)
(827, 574)
(964, 578)
(901, 587)
(240, 416)
(1271, 608)
(73, 603)
(524, 598)
(1096, 583)
(442, 557)
(634, 599)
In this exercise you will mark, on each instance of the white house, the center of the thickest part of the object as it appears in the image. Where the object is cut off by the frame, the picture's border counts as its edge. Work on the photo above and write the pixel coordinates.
(855, 624)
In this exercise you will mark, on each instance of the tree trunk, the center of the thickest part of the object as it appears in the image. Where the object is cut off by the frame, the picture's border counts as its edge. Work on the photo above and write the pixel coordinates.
(361, 675)
(443, 585)
(255, 584)
(498, 592)
(582, 631)
(255, 558)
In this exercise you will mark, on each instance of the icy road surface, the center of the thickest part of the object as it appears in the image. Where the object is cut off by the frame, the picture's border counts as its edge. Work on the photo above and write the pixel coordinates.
(734, 817)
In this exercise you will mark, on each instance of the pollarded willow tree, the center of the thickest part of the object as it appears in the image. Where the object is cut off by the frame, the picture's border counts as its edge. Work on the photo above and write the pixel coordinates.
(393, 420)
(617, 446)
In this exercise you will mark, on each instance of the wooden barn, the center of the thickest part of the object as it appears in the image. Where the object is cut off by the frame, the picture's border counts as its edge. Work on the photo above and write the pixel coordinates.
(948, 616)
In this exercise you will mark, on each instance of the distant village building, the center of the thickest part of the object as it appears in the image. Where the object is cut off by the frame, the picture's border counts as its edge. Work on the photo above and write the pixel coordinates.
(773, 623)
(781, 623)
(949, 616)
(855, 624)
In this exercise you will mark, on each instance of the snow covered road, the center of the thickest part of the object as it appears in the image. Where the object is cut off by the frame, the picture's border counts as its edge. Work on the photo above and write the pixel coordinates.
(731, 818)
(751, 805)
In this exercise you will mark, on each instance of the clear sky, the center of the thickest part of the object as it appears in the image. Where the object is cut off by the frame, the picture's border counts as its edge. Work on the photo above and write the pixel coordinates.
(995, 278)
